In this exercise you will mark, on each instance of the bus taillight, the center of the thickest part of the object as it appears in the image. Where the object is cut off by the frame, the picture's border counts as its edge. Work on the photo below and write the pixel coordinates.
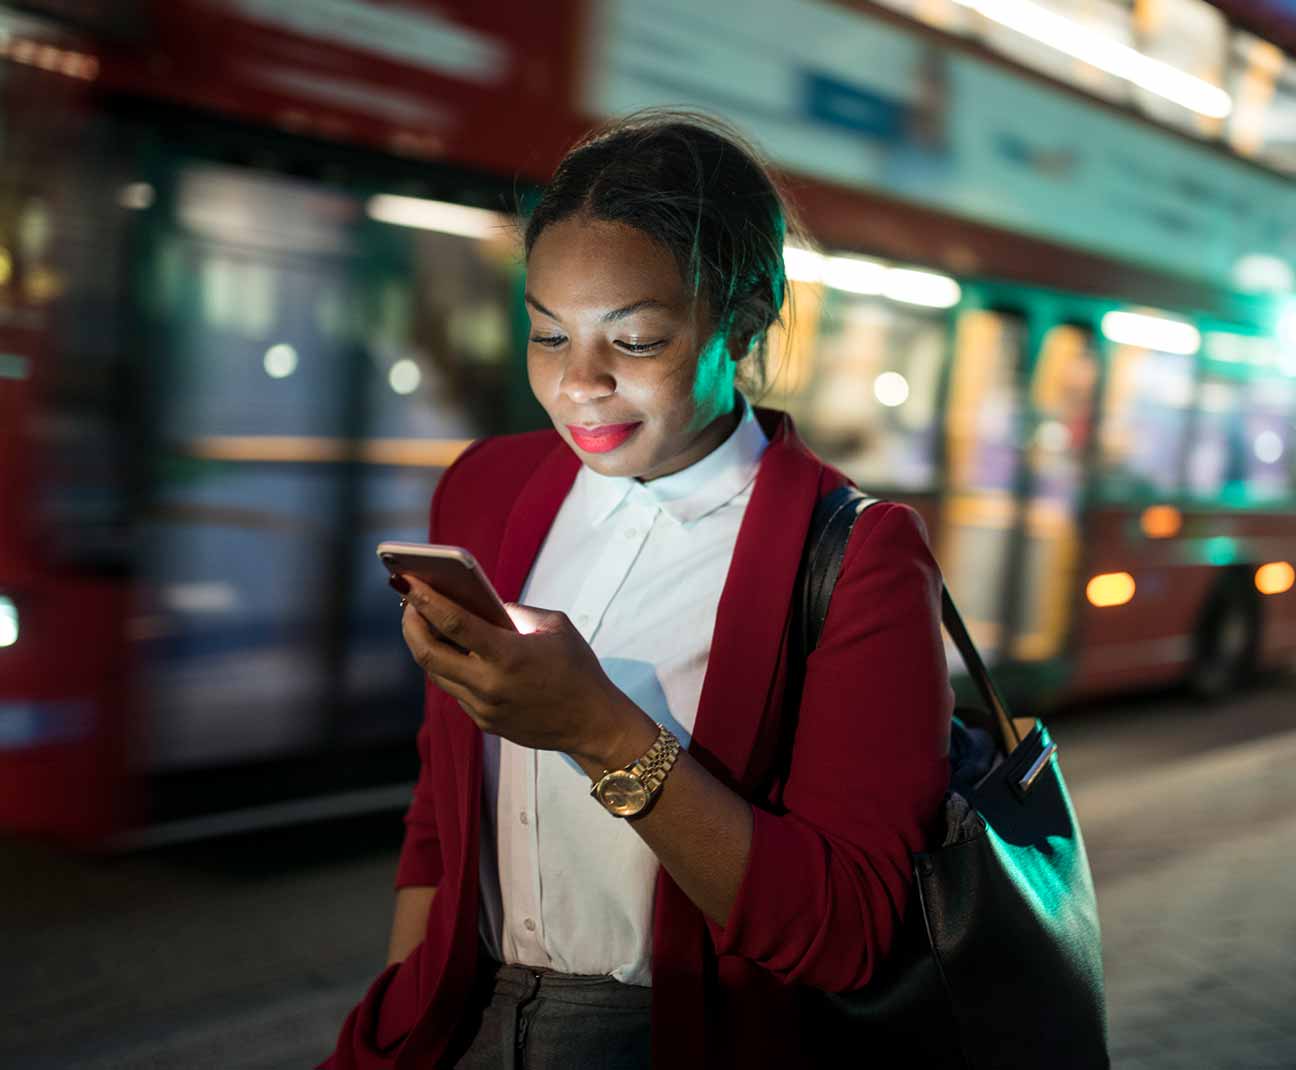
(1161, 521)
(1110, 589)
(1275, 577)
(9, 622)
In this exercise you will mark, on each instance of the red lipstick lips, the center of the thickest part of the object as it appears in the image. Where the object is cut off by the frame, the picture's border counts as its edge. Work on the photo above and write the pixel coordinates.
(601, 439)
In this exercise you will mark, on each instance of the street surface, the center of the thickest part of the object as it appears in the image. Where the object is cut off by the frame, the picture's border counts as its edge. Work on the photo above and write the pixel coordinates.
(248, 953)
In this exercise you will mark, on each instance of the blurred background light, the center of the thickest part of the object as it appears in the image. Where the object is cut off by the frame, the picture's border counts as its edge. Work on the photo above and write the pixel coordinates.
(1110, 589)
(8, 622)
(891, 389)
(1239, 348)
(1221, 550)
(1268, 446)
(441, 216)
(921, 288)
(404, 377)
(136, 195)
(1073, 39)
(1286, 331)
(1276, 577)
(1151, 332)
(860, 276)
(802, 265)
(48, 57)
(854, 275)
(13, 366)
(1053, 436)
(1161, 521)
(280, 361)
(1262, 273)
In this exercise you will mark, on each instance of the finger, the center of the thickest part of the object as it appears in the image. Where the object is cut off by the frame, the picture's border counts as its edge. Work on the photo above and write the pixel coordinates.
(435, 656)
(457, 691)
(455, 623)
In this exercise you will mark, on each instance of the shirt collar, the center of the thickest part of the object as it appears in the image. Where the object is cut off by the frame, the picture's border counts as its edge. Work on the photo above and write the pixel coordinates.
(691, 493)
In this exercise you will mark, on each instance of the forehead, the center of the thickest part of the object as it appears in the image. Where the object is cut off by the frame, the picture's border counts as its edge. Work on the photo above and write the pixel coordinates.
(593, 264)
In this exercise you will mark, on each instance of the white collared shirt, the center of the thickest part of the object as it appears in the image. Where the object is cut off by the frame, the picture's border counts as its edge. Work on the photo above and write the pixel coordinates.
(638, 567)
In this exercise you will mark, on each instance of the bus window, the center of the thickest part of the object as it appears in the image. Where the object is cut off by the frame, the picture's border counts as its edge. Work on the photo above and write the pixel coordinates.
(984, 416)
(1146, 407)
(1217, 456)
(1062, 396)
(1241, 441)
(860, 376)
(439, 332)
(982, 426)
(1270, 431)
(251, 403)
(442, 354)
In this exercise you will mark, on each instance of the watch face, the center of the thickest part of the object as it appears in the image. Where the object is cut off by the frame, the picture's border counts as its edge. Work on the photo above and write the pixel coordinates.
(623, 793)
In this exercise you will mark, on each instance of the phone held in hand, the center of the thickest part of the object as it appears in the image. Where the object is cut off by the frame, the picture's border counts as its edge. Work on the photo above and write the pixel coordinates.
(451, 571)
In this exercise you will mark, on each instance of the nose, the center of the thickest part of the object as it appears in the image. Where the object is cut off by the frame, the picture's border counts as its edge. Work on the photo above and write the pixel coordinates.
(586, 377)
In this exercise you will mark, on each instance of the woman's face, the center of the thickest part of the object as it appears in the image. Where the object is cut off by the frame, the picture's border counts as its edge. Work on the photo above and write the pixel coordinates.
(616, 344)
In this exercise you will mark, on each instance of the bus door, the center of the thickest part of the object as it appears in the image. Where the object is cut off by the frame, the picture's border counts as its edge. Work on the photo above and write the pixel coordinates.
(242, 567)
(1057, 438)
(1017, 444)
(981, 511)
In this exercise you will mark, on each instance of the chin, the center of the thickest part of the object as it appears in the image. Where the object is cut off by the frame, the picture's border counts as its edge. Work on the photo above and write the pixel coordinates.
(610, 466)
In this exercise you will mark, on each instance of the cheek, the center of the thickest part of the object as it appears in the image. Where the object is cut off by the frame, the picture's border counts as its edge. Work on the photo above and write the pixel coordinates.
(540, 376)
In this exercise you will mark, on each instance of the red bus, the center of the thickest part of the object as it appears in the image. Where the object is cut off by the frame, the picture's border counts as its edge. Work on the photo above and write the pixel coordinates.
(259, 284)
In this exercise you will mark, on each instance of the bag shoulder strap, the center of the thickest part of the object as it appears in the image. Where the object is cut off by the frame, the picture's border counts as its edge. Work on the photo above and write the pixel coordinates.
(830, 530)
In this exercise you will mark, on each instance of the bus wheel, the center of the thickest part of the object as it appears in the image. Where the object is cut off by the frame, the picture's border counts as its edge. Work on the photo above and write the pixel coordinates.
(1225, 647)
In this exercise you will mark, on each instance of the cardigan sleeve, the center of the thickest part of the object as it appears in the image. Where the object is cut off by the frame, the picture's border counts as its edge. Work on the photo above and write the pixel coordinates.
(828, 876)
(420, 857)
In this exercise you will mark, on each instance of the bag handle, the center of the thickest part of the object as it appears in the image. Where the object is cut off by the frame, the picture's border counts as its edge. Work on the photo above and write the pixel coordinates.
(830, 528)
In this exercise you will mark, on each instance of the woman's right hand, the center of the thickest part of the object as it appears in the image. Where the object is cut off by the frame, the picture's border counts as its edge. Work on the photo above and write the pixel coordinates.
(409, 923)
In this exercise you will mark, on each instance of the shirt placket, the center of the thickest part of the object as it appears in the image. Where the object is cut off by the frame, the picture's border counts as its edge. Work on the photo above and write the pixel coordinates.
(533, 919)
(628, 529)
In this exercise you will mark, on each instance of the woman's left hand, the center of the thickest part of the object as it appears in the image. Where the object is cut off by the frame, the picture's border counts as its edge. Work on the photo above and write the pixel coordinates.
(544, 689)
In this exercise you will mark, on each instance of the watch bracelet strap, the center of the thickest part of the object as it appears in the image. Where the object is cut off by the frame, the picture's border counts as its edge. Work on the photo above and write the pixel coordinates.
(653, 766)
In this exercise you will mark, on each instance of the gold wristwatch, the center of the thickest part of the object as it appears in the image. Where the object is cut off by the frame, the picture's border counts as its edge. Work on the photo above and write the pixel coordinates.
(630, 791)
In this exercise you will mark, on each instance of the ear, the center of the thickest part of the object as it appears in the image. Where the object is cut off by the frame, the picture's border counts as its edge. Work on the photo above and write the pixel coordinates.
(738, 345)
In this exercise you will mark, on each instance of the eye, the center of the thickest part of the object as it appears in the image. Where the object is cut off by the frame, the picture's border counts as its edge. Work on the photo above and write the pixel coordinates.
(641, 348)
(549, 341)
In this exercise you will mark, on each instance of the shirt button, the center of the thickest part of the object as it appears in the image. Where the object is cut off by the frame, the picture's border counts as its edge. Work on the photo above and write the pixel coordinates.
(583, 619)
(529, 925)
(631, 533)
(523, 817)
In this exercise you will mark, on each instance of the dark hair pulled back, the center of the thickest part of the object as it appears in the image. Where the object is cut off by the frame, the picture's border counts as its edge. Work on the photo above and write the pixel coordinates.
(694, 184)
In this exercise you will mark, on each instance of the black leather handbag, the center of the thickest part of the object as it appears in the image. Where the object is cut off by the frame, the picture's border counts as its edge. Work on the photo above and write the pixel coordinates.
(999, 961)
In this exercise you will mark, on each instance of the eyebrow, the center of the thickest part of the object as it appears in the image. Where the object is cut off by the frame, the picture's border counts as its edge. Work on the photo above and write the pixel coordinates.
(607, 317)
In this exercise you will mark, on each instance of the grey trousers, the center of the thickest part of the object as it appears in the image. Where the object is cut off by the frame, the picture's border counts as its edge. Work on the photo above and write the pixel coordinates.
(527, 1019)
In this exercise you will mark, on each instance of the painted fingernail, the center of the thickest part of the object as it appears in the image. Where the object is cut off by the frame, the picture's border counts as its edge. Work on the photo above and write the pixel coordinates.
(398, 584)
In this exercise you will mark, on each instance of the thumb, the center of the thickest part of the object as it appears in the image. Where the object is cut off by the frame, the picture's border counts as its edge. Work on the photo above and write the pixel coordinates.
(528, 619)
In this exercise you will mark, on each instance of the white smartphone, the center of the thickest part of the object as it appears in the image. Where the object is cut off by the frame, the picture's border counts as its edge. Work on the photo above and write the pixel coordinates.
(450, 570)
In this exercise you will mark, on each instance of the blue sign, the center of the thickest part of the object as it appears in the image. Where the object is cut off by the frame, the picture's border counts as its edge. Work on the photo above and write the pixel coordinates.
(851, 107)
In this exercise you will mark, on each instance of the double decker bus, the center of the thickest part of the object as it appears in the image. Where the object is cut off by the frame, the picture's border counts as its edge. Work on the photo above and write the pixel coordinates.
(260, 284)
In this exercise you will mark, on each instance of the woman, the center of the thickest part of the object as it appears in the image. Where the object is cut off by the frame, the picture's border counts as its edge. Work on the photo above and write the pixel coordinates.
(677, 917)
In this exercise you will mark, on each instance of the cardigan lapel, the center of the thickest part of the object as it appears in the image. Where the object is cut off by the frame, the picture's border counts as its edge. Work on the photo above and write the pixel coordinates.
(754, 604)
(531, 517)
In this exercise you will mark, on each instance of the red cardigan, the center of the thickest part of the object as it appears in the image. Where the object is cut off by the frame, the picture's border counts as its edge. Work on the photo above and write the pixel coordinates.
(828, 875)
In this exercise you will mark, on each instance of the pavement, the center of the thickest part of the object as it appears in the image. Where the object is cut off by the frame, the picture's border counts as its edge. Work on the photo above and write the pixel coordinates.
(1194, 870)
(248, 953)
